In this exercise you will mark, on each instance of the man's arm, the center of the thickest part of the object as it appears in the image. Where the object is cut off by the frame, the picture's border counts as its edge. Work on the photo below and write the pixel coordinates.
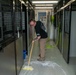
(37, 38)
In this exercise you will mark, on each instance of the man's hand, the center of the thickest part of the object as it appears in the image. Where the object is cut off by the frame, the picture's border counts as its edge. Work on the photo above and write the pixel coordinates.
(33, 41)
(37, 38)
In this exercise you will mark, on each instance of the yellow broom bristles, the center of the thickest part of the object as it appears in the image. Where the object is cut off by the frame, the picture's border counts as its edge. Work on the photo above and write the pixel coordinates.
(28, 68)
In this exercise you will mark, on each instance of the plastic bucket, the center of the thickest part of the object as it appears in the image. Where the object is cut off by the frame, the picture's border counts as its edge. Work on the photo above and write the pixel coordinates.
(24, 54)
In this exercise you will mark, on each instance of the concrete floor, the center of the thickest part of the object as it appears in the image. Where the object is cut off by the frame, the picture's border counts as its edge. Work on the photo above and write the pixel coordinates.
(53, 65)
(72, 63)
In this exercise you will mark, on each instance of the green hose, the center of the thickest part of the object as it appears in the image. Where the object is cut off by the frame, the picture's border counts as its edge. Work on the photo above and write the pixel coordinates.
(48, 46)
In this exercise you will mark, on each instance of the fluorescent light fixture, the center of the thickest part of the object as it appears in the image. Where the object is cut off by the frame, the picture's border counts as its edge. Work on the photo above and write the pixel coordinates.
(14, 2)
(71, 1)
(44, 2)
(43, 7)
(27, 2)
(22, 2)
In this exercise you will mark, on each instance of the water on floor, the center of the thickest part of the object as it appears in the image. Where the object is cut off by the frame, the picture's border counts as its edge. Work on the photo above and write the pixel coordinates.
(53, 65)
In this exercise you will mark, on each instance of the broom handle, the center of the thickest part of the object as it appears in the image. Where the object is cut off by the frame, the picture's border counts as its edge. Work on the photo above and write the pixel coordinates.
(30, 53)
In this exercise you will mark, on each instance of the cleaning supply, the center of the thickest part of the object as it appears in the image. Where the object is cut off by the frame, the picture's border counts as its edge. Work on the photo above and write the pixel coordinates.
(24, 54)
(28, 67)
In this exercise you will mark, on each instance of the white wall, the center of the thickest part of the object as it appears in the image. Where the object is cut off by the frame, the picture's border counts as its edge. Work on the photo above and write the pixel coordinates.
(73, 35)
(51, 27)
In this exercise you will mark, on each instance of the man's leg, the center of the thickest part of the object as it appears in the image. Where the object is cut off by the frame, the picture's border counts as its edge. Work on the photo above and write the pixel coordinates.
(42, 47)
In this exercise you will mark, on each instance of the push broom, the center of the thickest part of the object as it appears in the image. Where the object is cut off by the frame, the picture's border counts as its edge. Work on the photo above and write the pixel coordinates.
(28, 67)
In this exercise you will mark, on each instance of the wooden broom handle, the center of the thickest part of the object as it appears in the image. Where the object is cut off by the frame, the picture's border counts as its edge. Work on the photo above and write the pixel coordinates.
(30, 53)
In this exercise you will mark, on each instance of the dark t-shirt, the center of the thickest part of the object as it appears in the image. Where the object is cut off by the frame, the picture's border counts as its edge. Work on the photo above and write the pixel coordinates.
(40, 29)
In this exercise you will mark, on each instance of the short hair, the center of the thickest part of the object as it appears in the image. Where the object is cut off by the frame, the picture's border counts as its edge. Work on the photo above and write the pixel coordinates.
(32, 20)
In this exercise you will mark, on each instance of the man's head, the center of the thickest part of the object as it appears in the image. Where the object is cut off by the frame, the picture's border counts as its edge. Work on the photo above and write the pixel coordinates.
(32, 22)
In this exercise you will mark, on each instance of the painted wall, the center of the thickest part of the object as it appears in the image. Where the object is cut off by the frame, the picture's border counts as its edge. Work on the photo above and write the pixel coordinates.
(73, 35)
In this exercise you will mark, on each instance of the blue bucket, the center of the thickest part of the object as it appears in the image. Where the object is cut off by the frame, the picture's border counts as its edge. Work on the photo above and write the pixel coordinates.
(24, 54)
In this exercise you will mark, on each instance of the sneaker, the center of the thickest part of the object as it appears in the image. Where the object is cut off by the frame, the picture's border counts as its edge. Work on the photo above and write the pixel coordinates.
(41, 59)
(39, 56)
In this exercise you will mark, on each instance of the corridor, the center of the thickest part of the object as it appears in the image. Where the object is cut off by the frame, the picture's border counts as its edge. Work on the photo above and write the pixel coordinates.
(52, 19)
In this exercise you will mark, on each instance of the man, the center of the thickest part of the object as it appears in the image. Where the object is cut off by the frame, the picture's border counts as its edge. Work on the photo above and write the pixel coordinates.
(41, 36)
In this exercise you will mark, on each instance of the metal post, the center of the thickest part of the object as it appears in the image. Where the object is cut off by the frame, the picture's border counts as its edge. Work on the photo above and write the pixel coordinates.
(27, 32)
(63, 31)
